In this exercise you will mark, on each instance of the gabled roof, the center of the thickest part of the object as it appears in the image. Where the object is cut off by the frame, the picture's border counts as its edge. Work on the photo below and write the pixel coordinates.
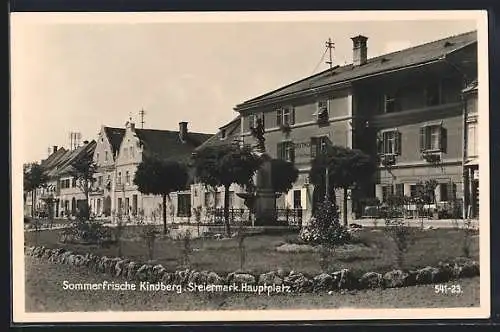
(64, 164)
(53, 159)
(232, 129)
(115, 137)
(420, 54)
(167, 145)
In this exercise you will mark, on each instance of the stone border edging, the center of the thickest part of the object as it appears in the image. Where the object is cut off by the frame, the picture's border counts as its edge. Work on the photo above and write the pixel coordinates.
(298, 282)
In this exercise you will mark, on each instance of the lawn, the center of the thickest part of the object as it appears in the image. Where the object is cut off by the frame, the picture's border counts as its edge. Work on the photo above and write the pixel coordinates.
(222, 256)
(44, 293)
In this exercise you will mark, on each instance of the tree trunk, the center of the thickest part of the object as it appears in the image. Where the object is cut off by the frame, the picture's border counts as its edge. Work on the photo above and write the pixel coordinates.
(226, 211)
(164, 212)
(33, 203)
(344, 207)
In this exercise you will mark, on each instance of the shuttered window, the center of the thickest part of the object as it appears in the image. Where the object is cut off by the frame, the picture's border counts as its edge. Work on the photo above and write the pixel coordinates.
(433, 138)
(285, 116)
(390, 143)
(286, 151)
(184, 205)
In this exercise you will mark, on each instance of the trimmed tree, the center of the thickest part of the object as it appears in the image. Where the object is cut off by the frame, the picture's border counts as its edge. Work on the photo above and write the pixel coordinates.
(159, 177)
(224, 165)
(34, 177)
(284, 174)
(83, 170)
(347, 168)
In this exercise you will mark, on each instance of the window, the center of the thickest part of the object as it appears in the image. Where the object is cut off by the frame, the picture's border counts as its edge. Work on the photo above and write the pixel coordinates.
(125, 152)
(297, 199)
(127, 205)
(218, 199)
(73, 183)
(443, 192)
(286, 151)
(390, 103)
(208, 199)
(390, 143)
(132, 152)
(127, 177)
(413, 190)
(105, 155)
(472, 140)
(254, 120)
(285, 116)
(97, 156)
(386, 192)
(223, 134)
(432, 94)
(99, 180)
(120, 206)
(319, 145)
(322, 112)
(433, 138)
(399, 189)
(184, 205)
(119, 178)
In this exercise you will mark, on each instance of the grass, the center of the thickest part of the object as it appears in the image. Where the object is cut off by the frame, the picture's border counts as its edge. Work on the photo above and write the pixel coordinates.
(222, 256)
(44, 293)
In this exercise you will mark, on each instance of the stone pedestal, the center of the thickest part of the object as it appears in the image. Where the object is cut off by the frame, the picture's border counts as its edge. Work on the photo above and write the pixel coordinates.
(265, 204)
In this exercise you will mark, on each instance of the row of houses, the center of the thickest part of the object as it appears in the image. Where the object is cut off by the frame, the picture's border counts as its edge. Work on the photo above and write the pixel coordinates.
(416, 109)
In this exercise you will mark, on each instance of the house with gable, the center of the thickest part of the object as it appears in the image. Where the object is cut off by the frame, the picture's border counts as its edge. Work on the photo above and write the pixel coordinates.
(102, 196)
(163, 144)
(403, 108)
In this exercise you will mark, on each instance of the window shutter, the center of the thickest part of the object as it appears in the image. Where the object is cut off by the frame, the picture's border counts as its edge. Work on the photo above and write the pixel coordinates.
(380, 143)
(280, 150)
(262, 120)
(292, 115)
(292, 152)
(314, 147)
(279, 121)
(422, 138)
(397, 143)
(443, 139)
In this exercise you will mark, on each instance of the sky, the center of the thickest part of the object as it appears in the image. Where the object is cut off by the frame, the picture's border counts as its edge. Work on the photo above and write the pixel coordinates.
(80, 76)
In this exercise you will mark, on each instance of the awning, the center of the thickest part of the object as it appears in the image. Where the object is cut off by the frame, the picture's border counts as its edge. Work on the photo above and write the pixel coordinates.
(472, 162)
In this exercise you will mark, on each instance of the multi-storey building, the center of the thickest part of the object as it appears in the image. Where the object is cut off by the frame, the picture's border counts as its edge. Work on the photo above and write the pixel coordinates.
(61, 190)
(164, 144)
(471, 155)
(102, 196)
(403, 106)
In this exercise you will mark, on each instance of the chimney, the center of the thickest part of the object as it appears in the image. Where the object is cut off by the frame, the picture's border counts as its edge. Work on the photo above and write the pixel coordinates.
(54, 149)
(85, 142)
(183, 131)
(359, 50)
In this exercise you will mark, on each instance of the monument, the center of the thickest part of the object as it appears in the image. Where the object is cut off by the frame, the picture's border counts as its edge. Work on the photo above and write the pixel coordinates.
(261, 200)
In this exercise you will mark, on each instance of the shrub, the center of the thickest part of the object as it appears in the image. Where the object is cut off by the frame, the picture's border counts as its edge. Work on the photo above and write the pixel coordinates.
(187, 248)
(326, 227)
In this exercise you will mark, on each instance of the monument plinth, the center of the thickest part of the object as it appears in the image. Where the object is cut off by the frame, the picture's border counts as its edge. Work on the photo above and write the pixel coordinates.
(265, 197)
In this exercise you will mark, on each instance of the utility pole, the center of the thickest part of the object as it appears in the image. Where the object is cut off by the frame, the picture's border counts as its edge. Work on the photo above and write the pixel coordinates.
(142, 113)
(330, 46)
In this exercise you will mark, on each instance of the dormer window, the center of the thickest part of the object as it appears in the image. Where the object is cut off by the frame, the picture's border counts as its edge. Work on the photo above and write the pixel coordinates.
(223, 134)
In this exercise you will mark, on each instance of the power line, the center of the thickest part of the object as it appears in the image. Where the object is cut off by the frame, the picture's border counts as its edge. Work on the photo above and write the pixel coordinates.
(320, 61)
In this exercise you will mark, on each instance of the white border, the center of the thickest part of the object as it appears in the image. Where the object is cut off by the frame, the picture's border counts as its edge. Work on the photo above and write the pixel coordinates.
(19, 314)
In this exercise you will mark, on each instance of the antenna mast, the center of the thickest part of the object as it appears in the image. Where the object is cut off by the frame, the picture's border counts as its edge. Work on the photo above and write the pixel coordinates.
(142, 113)
(330, 46)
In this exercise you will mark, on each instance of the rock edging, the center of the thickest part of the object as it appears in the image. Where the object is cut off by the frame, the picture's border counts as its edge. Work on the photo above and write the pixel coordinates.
(344, 279)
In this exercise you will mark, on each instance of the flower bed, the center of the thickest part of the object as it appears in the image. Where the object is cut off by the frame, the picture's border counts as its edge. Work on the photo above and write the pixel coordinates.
(344, 279)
